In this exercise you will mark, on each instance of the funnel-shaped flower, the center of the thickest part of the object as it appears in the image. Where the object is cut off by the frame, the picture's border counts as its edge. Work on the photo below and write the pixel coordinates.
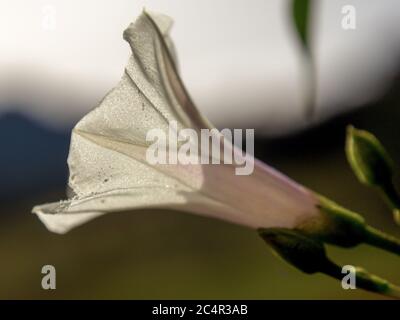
(110, 171)
(107, 160)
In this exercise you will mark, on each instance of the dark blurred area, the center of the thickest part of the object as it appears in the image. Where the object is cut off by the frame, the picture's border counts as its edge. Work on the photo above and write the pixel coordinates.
(168, 255)
(35, 157)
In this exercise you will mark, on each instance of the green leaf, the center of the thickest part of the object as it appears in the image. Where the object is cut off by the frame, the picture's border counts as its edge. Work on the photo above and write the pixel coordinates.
(301, 18)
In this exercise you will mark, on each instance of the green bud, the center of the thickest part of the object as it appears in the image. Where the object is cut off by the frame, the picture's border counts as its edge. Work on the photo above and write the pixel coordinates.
(308, 255)
(372, 165)
(368, 158)
(301, 251)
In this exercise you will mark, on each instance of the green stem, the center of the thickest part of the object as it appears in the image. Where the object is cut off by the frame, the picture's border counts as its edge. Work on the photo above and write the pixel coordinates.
(308, 255)
(364, 280)
(382, 240)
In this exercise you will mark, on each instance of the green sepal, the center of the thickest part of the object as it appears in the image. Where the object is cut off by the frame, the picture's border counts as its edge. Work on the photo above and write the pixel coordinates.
(342, 227)
(335, 225)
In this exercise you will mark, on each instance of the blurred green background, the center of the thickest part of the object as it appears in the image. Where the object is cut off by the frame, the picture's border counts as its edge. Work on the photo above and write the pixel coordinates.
(169, 255)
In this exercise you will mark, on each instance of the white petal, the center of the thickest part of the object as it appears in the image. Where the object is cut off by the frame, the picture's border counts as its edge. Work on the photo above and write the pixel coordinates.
(62, 223)
(109, 172)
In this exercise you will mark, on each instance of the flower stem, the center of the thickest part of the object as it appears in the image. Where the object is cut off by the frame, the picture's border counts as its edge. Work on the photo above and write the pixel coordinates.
(382, 240)
(364, 280)
(309, 255)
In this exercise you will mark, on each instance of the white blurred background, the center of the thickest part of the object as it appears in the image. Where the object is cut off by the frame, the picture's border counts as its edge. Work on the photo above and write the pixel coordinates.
(240, 60)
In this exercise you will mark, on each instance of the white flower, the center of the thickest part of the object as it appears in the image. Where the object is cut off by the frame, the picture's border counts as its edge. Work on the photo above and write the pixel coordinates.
(107, 159)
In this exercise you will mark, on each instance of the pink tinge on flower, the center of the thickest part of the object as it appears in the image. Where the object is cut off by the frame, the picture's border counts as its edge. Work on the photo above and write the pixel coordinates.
(107, 160)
